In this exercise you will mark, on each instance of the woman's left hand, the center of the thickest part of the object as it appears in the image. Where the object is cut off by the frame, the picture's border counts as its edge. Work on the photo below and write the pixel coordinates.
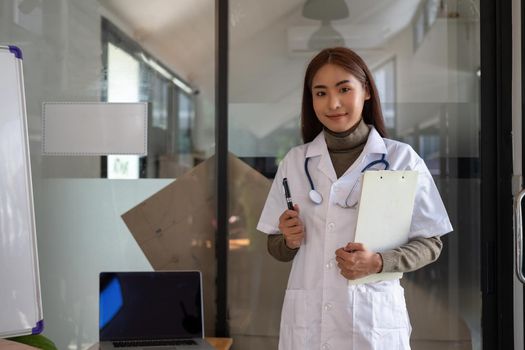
(357, 262)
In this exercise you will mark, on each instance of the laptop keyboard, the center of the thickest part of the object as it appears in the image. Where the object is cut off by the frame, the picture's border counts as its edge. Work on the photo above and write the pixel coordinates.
(137, 343)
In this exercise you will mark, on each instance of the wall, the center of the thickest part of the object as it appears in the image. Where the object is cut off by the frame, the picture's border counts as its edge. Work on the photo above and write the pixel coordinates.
(193, 57)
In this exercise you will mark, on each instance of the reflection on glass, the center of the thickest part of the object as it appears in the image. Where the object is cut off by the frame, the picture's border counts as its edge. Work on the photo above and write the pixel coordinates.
(123, 76)
(122, 86)
(134, 75)
(186, 112)
(432, 8)
(159, 92)
(255, 280)
(419, 29)
(384, 77)
(28, 15)
(123, 167)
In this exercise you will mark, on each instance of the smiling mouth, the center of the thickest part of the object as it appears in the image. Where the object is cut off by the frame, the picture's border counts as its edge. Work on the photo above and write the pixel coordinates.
(336, 115)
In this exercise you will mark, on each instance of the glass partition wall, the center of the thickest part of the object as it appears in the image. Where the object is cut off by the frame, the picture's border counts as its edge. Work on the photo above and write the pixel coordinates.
(118, 51)
(425, 56)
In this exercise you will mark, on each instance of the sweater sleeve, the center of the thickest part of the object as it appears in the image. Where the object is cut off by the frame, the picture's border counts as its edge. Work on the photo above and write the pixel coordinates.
(278, 249)
(415, 254)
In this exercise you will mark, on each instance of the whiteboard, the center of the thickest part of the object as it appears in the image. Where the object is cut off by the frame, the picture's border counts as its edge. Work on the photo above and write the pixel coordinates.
(20, 300)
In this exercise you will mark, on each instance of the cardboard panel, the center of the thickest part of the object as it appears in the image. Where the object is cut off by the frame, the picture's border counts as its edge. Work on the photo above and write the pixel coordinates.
(175, 228)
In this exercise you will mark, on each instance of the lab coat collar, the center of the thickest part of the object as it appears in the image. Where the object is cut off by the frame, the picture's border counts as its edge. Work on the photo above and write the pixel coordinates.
(374, 144)
(318, 148)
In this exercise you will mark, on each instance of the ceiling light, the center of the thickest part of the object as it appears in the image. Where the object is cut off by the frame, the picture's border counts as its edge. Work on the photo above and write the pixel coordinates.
(164, 72)
(325, 36)
(325, 9)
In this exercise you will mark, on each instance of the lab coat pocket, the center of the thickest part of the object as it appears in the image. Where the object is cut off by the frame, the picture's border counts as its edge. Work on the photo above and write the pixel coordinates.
(294, 323)
(390, 320)
(389, 310)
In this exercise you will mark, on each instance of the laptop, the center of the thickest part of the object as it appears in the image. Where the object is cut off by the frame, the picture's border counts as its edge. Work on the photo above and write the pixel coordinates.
(156, 310)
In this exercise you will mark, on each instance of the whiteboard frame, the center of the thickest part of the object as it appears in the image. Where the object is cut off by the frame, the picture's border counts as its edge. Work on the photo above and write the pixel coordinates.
(36, 324)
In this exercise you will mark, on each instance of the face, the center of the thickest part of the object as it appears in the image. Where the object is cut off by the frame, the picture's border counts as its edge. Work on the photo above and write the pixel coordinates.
(338, 98)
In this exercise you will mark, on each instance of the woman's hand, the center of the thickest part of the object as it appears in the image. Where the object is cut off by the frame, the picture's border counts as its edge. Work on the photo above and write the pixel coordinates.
(292, 227)
(357, 262)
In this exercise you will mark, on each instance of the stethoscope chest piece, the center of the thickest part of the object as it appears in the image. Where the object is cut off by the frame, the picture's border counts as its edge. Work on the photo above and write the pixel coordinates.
(315, 197)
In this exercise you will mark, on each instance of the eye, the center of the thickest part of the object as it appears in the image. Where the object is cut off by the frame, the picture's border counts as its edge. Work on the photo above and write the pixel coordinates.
(320, 93)
(345, 89)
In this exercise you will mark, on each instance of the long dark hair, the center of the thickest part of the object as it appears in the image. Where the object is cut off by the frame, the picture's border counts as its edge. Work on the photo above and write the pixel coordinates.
(352, 63)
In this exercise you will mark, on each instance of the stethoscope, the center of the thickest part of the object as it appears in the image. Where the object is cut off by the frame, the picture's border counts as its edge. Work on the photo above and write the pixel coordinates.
(317, 198)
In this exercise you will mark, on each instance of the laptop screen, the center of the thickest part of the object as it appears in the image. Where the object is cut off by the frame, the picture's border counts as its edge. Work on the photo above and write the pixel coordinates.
(150, 305)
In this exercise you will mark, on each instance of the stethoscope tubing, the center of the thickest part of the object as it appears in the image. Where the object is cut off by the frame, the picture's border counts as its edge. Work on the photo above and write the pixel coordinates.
(308, 173)
(379, 161)
(317, 198)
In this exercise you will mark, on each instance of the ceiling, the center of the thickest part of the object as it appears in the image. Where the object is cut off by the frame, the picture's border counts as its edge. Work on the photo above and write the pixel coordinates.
(182, 32)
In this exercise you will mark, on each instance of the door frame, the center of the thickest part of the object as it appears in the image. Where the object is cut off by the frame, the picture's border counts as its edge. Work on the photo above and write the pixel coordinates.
(497, 268)
(222, 328)
(518, 129)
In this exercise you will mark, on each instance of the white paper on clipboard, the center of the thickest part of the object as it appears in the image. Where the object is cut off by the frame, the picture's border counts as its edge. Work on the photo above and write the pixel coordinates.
(385, 214)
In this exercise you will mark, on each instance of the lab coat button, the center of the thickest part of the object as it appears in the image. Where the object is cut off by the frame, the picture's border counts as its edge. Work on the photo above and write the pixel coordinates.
(325, 346)
(331, 226)
(327, 307)
(329, 265)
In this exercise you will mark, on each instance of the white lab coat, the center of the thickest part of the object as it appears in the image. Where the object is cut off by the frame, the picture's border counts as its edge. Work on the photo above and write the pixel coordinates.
(320, 309)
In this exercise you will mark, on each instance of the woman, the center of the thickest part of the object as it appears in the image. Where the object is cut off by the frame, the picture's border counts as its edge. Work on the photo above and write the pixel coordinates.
(343, 131)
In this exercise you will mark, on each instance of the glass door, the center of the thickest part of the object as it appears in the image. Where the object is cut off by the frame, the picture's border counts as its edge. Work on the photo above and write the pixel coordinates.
(425, 56)
(111, 51)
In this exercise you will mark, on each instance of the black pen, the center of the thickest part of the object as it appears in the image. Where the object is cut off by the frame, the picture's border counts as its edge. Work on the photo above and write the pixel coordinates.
(287, 194)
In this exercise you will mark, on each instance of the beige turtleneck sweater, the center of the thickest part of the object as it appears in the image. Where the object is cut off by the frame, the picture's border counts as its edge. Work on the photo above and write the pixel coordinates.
(344, 148)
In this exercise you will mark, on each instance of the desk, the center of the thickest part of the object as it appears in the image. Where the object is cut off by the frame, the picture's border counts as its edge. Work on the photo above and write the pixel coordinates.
(217, 343)
(11, 345)
(220, 343)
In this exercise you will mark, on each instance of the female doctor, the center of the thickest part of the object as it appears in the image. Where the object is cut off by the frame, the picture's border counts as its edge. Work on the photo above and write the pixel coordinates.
(343, 130)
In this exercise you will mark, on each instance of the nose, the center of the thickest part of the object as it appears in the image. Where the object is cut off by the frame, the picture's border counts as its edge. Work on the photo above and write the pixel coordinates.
(334, 102)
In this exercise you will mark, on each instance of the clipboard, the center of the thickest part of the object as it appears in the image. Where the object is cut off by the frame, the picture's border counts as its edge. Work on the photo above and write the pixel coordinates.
(385, 214)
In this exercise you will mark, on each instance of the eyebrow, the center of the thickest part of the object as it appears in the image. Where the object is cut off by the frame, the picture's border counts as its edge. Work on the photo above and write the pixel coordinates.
(324, 86)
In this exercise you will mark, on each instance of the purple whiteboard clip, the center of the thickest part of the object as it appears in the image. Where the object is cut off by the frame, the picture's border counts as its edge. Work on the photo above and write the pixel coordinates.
(16, 51)
(39, 328)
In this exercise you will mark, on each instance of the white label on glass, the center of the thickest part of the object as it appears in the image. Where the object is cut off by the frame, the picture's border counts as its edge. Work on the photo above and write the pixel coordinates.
(94, 128)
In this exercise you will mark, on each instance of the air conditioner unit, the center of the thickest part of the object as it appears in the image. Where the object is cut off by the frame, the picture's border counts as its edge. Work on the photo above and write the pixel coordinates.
(309, 39)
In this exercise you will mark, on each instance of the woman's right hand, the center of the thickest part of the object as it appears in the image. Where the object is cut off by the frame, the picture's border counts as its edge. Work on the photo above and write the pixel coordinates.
(292, 227)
